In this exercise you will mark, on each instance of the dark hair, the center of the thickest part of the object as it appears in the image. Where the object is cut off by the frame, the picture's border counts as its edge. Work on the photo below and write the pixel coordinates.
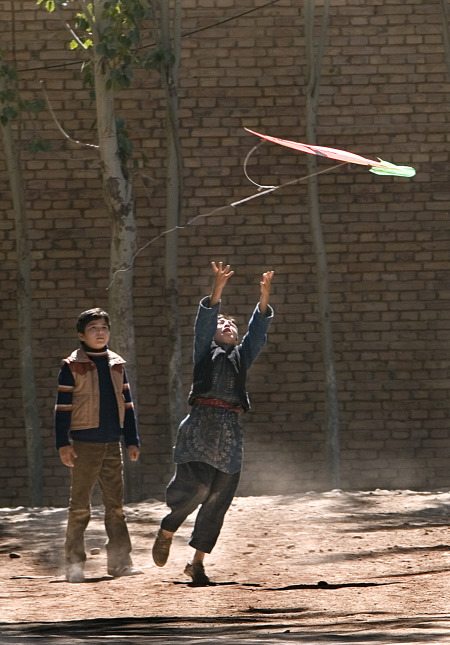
(91, 314)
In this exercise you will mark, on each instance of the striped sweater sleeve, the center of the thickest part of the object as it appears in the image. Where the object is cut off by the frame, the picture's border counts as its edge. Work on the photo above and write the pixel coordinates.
(130, 432)
(63, 406)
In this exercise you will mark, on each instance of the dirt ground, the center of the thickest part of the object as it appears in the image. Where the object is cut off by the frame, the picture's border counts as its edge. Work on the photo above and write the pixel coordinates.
(334, 567)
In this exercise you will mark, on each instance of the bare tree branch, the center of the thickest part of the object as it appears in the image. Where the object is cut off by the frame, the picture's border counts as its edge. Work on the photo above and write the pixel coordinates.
(58, 125)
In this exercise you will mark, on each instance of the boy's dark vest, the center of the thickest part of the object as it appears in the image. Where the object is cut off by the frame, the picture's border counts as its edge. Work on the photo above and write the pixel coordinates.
(203, 371)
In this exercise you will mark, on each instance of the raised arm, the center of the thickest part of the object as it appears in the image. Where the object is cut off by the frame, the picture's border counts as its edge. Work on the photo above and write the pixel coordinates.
(256, 336)
(206, 321)
(221, 276)
(265, 291)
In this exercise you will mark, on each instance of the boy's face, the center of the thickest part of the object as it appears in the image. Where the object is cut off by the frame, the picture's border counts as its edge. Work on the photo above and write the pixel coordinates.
(96, 334)
(226, 333)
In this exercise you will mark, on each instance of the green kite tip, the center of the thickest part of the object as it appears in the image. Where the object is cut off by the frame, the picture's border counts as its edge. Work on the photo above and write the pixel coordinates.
(391, 169)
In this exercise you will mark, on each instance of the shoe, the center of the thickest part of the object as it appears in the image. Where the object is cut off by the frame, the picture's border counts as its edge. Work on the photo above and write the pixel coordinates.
(75, 573)
(125, 571)
(196, 571)
(161, 549)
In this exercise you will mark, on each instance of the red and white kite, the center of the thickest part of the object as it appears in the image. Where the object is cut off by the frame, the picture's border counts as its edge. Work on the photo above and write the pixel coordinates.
(379, 167)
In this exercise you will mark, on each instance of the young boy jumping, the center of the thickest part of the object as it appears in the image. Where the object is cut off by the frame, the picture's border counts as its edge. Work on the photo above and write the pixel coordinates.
(93, 410)
(208, 451)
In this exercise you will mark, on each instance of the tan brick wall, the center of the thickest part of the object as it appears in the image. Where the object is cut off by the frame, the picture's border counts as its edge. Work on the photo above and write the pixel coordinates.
(384, 93)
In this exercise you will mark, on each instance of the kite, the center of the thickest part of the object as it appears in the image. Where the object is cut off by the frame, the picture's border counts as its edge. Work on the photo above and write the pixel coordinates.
(379, 167)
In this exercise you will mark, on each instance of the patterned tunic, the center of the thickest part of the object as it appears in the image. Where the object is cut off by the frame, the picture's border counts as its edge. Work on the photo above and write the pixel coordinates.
(212, 434)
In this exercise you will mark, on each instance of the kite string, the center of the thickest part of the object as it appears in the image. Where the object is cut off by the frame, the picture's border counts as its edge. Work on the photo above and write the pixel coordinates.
(190, 222)
(246, 160)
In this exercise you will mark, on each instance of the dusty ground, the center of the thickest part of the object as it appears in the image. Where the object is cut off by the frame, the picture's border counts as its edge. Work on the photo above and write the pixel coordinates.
(336, 567)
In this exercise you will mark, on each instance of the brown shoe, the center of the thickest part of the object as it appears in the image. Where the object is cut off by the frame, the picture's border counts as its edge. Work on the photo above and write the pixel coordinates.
(161, 549)
(196, 571)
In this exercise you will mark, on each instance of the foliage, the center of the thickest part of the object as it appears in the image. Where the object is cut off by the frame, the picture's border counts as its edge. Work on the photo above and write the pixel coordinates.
(117, 38)
(12, 105)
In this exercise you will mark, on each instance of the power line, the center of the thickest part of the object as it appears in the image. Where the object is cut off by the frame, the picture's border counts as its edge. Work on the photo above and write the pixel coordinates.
(185, 35)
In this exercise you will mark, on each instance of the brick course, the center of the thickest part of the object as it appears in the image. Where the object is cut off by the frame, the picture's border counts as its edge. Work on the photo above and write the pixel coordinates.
(383, 93)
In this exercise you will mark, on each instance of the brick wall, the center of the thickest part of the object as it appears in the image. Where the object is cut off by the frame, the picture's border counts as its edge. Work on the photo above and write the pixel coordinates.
(384, 93)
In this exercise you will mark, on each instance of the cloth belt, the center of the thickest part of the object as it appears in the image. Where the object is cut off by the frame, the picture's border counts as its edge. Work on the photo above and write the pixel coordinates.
(218, 403)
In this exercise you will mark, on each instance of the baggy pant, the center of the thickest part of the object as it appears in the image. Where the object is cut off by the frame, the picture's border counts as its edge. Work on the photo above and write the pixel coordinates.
(197, 483)
(102, 463)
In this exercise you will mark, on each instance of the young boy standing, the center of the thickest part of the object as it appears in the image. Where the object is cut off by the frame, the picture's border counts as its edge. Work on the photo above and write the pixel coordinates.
(208, 451)
(93, 410)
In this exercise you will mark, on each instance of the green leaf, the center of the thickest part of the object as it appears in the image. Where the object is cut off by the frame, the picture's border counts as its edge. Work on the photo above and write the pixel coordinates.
(134, 36)
(34, 106)
(8, 72)
(153, 59)
(82, 23)
(7, 96)
(39, 145)
(9, 113)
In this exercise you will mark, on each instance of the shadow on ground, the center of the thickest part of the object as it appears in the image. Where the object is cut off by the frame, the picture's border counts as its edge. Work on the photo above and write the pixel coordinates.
(283, 626)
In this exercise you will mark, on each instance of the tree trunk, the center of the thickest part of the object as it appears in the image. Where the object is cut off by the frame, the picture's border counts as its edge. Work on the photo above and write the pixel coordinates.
(30, 407)
(446, 32)
(119, 199)
(313, 63)
(169, 73)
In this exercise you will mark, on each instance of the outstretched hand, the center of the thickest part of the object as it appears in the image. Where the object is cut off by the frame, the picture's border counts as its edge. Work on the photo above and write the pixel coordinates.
(221, 276)
(265, 291)
(221, 273)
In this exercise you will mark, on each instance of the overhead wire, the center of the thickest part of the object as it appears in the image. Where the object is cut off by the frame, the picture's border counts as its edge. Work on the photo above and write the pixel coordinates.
(187, 34)
(263, 190)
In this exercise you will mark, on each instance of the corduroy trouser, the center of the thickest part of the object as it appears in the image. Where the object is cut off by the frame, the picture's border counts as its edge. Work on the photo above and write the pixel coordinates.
(102, 463)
